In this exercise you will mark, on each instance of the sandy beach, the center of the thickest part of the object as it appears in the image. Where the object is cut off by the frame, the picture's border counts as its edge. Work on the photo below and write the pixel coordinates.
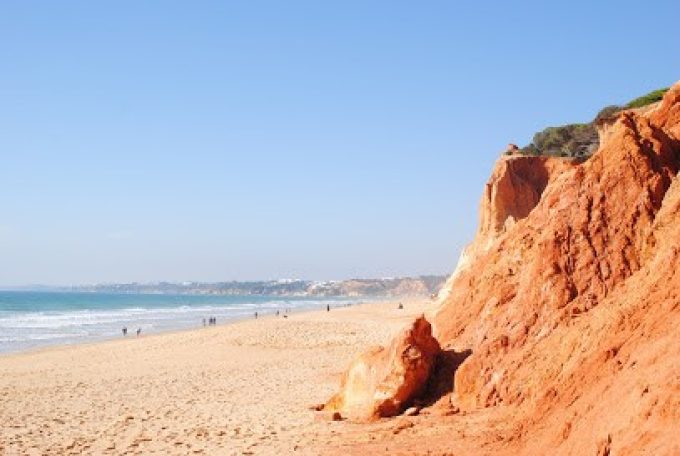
(239, 388)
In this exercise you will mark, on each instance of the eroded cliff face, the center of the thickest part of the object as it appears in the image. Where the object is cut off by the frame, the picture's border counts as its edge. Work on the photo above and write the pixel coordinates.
(604, 126)
(570, 293)
(513, 190)
(568, 299)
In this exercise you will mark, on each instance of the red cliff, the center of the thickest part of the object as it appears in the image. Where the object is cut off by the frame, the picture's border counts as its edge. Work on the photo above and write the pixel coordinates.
(569, 297)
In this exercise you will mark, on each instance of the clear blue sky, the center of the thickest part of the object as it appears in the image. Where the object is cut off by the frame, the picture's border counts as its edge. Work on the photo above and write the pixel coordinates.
(211, 141)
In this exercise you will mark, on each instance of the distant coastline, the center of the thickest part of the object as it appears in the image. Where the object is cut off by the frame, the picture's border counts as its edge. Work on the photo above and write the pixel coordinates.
(424, 285)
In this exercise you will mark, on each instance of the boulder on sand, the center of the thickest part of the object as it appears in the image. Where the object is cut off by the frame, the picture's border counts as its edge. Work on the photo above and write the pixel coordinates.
(382, 381)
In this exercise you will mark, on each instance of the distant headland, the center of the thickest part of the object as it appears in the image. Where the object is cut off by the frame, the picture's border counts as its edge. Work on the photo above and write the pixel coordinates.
(424, 285)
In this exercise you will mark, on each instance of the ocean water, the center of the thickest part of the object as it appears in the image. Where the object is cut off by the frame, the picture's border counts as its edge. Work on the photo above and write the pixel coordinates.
(38, 319)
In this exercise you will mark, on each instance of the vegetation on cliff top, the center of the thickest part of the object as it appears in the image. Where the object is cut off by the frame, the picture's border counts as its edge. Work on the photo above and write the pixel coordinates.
(573, 140)
(651, 97)
(581, 140)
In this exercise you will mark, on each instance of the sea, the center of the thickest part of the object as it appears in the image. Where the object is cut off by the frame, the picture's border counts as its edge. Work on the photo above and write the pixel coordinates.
(30, 320)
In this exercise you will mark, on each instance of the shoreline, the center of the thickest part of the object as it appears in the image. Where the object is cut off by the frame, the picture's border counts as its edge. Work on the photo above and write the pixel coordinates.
(236, 388)
(225, 321)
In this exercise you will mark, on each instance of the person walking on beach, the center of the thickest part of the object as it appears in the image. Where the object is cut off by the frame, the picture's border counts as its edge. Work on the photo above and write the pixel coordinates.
(124, 331)
(255, 315)
(328, 307)
(139, 331)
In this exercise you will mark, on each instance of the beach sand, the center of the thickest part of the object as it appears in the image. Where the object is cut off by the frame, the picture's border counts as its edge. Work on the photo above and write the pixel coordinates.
(239, 388)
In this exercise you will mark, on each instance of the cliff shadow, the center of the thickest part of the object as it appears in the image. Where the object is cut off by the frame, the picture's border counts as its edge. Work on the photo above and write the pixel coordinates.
(440, 382)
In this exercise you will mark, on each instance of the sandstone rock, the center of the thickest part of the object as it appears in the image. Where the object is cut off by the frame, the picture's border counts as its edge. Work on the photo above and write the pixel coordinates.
(511, 149)
(382, 381)
(571, 259)
(569, 302)
(667, 113)
(512, 192)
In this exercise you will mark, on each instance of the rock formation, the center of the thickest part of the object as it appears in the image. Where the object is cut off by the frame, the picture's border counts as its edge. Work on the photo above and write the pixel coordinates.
(563, 301)
(513, 190)
(382, 381)
(569, 296)
(604, 125)
(511, 149)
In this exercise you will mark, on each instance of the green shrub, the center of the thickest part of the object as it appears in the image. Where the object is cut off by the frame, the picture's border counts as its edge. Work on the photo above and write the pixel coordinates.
(651, 97)
(606, 113)
(571, 140)
(581, 140)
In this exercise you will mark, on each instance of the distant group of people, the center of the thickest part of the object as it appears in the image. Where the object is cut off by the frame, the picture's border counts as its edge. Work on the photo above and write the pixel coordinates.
(125, 331)
(212, 321)
(286, 311)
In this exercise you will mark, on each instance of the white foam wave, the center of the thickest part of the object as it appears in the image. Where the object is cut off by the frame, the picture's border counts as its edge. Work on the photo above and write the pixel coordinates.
(25, 329)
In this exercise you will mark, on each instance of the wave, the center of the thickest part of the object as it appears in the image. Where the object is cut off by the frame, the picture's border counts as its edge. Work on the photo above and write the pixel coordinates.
(21, 329)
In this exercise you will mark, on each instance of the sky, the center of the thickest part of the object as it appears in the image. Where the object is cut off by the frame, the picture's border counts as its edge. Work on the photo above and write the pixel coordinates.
(243, 140)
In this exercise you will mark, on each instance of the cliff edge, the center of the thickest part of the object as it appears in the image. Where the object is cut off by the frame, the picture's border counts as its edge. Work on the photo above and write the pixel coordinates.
(569, 310)
(568, 299)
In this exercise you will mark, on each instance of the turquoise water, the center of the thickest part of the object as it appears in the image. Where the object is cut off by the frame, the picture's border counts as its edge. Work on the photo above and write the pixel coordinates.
(36, 319)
